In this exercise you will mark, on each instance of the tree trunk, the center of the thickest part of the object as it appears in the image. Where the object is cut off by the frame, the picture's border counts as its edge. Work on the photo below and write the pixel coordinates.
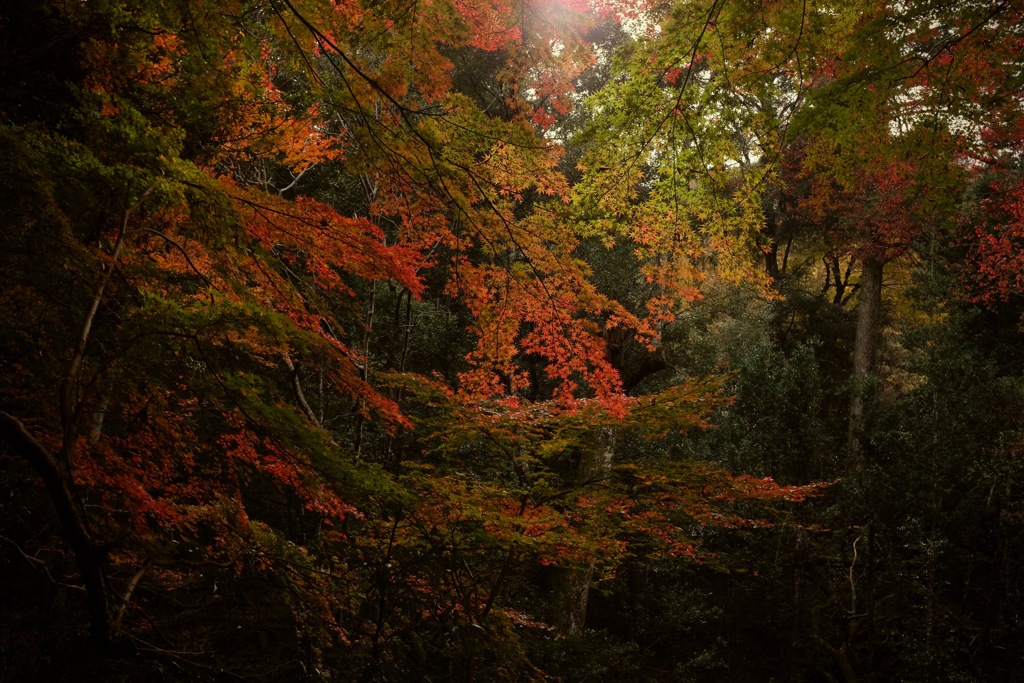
(771, 262)
(87, 556)
(864, 357)
(572, 584)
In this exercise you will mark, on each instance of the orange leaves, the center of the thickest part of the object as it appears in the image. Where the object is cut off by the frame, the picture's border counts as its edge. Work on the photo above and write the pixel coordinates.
(491, 23)
(132, 473)
(547, 316)
(667, 505)
(329, 245)
(260, 134)
(165, 49)
(450, 177)
(133, 63)
(673, 75)
(305, 141)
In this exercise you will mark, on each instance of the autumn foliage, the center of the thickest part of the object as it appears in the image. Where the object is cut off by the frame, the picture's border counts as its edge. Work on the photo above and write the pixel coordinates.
(308, 348)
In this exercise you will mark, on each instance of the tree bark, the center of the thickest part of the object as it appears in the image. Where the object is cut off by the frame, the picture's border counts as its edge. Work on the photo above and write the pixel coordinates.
(297, 386)
(571, 594)
(864, 359)
(572, 584)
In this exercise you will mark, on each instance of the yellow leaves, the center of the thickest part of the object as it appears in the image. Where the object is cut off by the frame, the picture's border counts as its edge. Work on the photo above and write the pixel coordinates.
(513, 169)
(532, 447)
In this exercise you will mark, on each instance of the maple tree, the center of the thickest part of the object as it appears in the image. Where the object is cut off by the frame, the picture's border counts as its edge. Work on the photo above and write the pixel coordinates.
(730, 128)
(736, 127)
(199, 279)
(321, 359)
(992, 221)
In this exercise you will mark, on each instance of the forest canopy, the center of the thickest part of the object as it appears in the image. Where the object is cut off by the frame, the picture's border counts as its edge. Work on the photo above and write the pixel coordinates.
(512, 340)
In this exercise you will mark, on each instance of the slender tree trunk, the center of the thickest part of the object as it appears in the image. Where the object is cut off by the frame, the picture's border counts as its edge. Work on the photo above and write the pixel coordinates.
(364, 370)
(297, 386)
(87, 556)
(864, 357)
(99, 414)
(69, 400)
(54, 468)
(572, 584)
(865, 351)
